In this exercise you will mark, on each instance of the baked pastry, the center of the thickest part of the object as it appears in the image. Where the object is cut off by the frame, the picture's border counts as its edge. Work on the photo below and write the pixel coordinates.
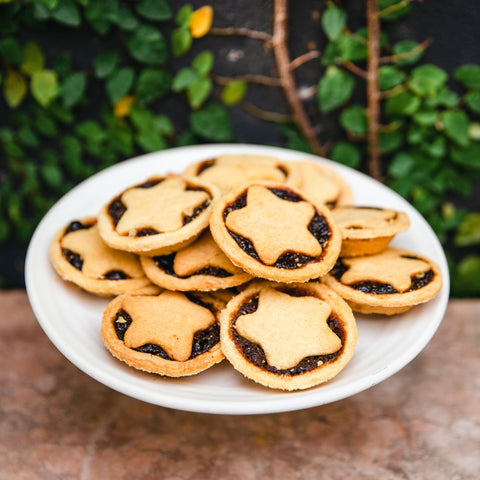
(172, 334)
(158, 216)
(228, 170)
(80, 256)
(199, 266)
(288, 337)
(272, 231)
(389, 282)
(323, 184)
(368, 230)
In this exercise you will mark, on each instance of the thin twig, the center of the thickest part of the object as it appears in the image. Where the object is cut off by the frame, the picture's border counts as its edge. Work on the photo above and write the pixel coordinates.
(264, 114)
(241, 32)
(250, 78)
(306, 57)
(349, 65)
(393, 91)
(403, 56)
(373, 92)
(395, 7)
(279, 43)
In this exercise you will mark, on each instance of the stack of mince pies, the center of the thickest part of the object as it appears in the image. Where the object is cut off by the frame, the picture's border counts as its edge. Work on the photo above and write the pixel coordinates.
(253, 258)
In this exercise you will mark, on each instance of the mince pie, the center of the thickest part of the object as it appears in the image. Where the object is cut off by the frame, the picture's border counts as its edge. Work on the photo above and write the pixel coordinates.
(288, 336)
(157, 216)
(226, 171)
(323, 185)
(389, 282)
(199, 266)
(172, 334)
(272, 231)
(368, 230)
(80, 256)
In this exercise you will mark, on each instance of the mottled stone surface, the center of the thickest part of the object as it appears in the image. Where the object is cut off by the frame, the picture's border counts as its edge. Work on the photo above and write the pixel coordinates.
(57, 423)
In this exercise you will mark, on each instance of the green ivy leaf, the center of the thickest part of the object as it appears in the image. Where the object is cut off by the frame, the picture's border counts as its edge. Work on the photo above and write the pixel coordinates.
(52, 175)
(105, 63)
(346, 154)
(443, 98)
(14, 88)
(141, 118)
(184, 78)
(472, 99)
(409, 50)
(44, 124)
(389, 77)
(90, 131)
(150, 141)
(158, 10)
(126, 20)
(44, 86)
(466, 279)
(67, 12)
(73, 88)
(33, 59)
(468, 157)
(333, 21)
(163, 125)
(181, 41)
(468, 232)
(119, 83)
(436, 148)
(212, 123)
(468, 75)
(456, 125)
(426, 80)
(401, 165)
(147, 45)
(10, 50)
(389, 141)
(182, 18)
(203, 62)
(234, 92)
(394, 14)
(198, 92)
(26, 136)
(50, 4)
(404, 103)
(425, 118)
(354, 120)
(152, 84)
(334, 88)
(352, 47)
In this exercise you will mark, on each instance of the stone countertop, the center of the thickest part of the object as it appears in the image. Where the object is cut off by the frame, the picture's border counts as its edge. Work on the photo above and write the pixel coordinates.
(58, 423)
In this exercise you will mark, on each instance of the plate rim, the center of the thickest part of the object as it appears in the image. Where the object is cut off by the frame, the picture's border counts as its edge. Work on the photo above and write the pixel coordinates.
(285, 401)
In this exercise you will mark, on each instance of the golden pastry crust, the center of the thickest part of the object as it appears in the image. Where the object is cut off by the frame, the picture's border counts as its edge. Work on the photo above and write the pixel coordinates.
(275, 232)
(227, 170)
(158, 216)
(157, 333)
(79, 255)
(368, 230)
(392, 279)
(323, 184)
(199, 266)
(288, 336)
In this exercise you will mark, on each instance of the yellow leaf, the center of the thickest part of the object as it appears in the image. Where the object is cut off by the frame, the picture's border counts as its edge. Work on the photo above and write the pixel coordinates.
(123, 106)
(14, 88)
(201, 21)
(33, 59)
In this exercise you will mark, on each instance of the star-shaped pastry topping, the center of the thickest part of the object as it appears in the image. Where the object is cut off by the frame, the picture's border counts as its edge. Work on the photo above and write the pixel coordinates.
(168, 320)
(320, 187)
(161, 207)
(385, 267)
(363, 217)
(289, 328)
(274, 226)
(201, 254)
(98, 258)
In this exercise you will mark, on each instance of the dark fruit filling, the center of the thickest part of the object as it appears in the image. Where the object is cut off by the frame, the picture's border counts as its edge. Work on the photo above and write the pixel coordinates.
(150, 183)
(203, 340)
(318, 227)
(76, 225)
(196, 212)
(116, 209)
(256, 355)
(165, 263)
(115, 275)
(73, 258)
(145, 232)
(370, 286)
(204, 165)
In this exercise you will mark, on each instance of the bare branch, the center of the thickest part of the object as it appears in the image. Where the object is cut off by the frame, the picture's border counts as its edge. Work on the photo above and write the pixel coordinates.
(404, 56)
(241, 32)
(264, 114)
(393, 91)
(349, 65)
(250, 78)
(395, 7)
(306, 57)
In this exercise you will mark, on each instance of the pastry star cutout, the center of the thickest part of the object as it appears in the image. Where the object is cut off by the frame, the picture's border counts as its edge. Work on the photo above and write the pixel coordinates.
(161, 207)
(98, 259)
(169, 320)
(274, 226)
(203, 253)
(289, 328)
(363, 217)
(386, 267)
(319, 186)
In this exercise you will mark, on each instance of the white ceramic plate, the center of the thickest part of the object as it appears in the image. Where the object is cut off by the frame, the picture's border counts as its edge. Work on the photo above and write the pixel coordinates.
(71, 318)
